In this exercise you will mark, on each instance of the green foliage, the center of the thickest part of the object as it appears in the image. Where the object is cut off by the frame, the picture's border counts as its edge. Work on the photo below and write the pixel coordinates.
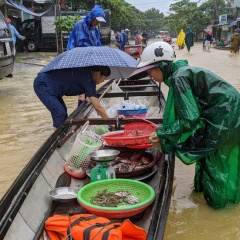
(182, 14)
(78, 4)
(65, 23)
(189, 14)
(154, 19)
(216, 7)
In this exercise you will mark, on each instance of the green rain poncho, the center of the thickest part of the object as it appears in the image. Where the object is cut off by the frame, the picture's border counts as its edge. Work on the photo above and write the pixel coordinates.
(189, 38)
(202, 125)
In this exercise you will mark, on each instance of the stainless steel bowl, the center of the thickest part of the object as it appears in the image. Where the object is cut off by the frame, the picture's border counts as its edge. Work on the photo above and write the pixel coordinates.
(64, 194)
(104, 155)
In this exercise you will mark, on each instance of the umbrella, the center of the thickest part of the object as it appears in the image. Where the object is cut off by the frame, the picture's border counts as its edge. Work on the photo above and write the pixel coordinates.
(120, 63)
(208, 31)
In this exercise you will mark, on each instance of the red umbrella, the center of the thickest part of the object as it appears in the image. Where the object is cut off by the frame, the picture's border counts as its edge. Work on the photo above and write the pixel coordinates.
(208, 31)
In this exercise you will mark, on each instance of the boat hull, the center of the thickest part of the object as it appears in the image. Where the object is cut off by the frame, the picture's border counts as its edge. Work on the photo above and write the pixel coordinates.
(27, 204)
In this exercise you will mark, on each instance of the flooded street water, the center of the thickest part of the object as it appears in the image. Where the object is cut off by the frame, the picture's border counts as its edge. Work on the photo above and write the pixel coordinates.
(25, 124)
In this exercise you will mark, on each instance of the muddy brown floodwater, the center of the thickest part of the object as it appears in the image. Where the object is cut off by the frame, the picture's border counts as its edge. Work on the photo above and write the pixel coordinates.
(25, 124)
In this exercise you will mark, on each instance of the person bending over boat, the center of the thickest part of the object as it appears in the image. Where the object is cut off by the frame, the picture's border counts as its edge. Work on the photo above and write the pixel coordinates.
(201, 122)
(52, 85)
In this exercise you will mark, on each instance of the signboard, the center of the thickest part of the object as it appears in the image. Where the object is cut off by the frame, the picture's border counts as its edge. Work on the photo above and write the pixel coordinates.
(47, 24)
(223, 19)
(225, 27)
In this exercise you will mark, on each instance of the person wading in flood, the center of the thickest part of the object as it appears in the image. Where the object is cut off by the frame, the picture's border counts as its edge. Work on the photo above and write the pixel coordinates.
(201, 122)
(189, 38)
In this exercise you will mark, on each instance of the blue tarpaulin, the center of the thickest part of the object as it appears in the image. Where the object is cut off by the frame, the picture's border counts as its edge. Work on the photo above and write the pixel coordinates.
(24, 9)
(233, 23)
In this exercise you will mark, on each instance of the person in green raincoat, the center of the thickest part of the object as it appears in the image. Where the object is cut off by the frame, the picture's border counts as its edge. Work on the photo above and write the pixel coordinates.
(201, 122)
(189, 38)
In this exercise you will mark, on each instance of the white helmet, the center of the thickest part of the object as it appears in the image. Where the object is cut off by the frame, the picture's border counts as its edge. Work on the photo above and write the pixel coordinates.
(156, 52)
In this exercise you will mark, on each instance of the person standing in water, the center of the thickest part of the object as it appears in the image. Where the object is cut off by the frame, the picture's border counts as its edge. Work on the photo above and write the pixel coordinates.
(201, 122)
(189, 38)
(235, 42)
(181, 39)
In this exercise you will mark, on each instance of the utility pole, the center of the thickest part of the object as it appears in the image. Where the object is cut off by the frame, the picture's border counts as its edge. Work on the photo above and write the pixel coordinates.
(215, 11)
(58, 32)
(237, 12)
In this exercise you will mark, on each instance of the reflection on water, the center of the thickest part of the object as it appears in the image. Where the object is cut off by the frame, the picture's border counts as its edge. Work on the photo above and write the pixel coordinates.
(25, 124)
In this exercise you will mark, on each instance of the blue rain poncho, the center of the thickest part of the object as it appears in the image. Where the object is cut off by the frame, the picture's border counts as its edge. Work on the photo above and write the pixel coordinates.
(202, 125)
(83, 34)
(15, 33)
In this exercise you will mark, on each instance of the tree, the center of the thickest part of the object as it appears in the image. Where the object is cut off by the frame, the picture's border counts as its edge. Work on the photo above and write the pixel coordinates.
(123, 14)
(214, 8)
(66, 23)
(154, 20)
(188, 14)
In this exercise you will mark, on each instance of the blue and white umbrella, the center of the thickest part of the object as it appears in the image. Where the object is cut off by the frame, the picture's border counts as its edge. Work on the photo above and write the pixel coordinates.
(120, 63)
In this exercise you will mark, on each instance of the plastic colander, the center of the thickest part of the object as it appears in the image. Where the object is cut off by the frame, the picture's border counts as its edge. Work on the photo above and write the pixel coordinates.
(137, 189)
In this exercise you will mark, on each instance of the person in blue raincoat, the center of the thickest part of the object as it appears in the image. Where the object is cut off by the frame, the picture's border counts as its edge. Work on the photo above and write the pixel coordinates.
(122, 40)
(15, 33)
(85, 32)
(201, 122)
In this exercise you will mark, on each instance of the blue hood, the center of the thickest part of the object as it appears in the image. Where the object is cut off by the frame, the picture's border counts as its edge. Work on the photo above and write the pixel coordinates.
(97, 11)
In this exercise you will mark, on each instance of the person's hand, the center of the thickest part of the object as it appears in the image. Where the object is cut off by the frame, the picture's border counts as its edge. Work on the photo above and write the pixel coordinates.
(155, 140)
(81, 97)
(22, 38)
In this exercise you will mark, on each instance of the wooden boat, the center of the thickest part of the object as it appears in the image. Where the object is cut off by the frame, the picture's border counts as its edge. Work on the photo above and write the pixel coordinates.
(227, 47)
(27, 204)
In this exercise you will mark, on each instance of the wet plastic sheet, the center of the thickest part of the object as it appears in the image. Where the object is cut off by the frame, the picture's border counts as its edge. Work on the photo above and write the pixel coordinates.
(202, 124)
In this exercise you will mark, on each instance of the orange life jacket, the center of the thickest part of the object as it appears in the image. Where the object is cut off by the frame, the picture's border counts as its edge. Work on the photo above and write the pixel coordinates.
(92, 227)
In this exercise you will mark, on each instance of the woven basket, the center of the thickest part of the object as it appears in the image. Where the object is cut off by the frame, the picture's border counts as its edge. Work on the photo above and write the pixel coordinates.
(137, 189)
(137, 133)
(139, 129)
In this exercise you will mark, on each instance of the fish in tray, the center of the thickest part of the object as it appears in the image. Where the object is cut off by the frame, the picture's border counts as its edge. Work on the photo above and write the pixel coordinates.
(131, 161)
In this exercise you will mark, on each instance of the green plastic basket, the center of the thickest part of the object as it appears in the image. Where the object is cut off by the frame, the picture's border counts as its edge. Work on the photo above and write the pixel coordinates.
(137, 189)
